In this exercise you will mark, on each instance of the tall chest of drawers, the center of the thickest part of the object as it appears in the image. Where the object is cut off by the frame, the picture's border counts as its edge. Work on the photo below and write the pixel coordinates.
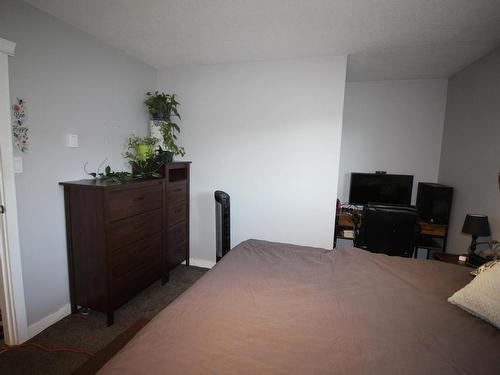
(177, 212)
(123, 237)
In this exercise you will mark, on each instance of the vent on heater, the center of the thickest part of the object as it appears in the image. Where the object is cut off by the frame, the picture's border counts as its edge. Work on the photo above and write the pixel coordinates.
(222, 224)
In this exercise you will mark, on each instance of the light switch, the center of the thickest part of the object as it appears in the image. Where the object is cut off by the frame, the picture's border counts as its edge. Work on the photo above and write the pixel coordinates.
(71, 140)
(18, 164)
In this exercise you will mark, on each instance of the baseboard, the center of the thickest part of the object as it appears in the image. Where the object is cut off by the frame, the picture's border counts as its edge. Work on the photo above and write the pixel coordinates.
(201, 263)
(37, 327)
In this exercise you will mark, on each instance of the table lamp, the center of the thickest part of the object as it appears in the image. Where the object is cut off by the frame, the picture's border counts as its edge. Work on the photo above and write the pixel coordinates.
(477, 226)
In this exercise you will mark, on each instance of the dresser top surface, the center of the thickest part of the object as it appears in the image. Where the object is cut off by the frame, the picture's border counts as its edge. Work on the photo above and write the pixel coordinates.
(100, 183)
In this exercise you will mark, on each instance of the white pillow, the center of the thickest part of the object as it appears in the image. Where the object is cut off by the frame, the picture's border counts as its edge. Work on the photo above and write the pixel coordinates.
(481, 297)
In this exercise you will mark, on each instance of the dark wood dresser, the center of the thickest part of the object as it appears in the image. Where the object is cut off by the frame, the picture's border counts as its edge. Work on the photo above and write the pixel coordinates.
(176, 176)
(122, 237)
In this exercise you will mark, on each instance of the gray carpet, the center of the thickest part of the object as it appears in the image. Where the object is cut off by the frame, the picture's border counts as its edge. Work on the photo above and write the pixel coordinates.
(90, 332)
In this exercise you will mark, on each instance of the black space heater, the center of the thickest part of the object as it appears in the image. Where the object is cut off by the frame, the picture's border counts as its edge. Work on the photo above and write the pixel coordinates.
(222, 224)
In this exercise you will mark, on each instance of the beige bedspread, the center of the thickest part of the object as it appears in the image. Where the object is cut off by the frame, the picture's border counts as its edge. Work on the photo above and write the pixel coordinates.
(270, 308)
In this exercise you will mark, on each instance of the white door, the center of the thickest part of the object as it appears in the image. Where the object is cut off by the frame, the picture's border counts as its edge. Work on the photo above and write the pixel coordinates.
(11, 278)
(3, 239)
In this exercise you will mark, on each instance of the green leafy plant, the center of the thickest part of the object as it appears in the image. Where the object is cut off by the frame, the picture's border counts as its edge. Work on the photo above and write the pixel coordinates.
(162, 110)
(109, 175)
(116, 177)
(161, 106)
(144, 157)
(168, 132)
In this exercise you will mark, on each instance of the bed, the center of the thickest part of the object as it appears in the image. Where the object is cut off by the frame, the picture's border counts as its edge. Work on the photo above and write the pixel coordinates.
(271, 308)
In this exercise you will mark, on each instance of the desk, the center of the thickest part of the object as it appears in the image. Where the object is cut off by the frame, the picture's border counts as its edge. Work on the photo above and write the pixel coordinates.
(432, 236)
(343, 221)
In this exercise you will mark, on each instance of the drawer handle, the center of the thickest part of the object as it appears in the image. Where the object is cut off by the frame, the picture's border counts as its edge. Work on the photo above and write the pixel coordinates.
(177, 211)
(138, 199)
(140, 226)
(142, 249)
(177, 190)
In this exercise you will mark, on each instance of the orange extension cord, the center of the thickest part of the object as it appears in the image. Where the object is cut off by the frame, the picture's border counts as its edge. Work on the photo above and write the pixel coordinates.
(46, 349)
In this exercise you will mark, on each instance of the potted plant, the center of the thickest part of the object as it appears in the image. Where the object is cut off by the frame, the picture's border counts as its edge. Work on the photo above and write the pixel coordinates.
(144, 157)
(162, 110)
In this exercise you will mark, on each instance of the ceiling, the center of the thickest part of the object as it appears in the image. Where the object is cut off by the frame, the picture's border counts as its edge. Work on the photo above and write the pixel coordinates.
(385, 39)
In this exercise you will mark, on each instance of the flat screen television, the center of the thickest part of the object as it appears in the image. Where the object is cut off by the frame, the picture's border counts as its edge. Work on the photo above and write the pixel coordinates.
(380, 188)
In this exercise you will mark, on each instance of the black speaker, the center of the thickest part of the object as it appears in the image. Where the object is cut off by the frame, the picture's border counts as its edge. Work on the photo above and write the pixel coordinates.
(434, 202)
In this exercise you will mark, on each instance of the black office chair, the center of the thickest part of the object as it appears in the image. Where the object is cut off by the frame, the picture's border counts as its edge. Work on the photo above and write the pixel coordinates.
(390, 230)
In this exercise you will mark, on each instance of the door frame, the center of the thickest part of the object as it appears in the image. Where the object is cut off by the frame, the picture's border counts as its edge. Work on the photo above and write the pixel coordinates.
(12, 300)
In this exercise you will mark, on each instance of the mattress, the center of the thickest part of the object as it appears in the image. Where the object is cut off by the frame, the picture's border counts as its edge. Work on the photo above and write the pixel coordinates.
(272, 308)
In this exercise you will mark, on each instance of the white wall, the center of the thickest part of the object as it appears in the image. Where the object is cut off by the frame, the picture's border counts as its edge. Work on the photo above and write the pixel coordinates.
(394, 126)
(72, 84)
(470, 159)
(267, 133)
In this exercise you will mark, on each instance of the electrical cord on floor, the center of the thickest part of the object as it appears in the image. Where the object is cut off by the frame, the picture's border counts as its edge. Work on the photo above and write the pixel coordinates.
(4, 347)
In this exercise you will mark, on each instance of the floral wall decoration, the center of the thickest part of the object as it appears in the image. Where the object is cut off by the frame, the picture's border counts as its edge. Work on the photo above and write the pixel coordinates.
(19, 129)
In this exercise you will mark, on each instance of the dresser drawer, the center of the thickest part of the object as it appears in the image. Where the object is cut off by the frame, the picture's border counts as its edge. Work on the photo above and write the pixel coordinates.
(130, 202)
(124, 232)
(122, 289)
(176, 254)
(177, 234)
(132, 258)
(176, 213)
(177, 192)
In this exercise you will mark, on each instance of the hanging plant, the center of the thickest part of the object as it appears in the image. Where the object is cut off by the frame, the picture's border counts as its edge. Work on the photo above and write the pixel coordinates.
(162, 110)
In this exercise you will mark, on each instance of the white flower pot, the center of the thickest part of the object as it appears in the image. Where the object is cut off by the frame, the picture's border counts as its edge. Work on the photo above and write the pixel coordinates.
(155, 132)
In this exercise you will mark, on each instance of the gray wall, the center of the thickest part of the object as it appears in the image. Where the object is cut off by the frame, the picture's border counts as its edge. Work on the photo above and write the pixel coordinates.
(396, 126)
(470, 157)
(75, 84)
(268, 133)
